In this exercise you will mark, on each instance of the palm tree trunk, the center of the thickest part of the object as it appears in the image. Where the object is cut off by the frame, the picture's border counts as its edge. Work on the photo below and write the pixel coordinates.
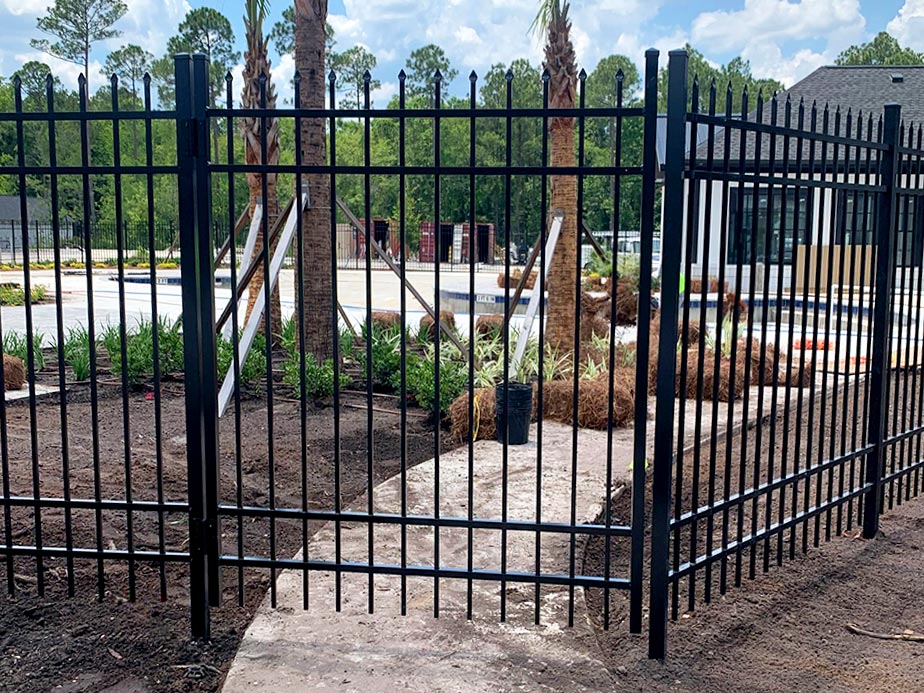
(562, 306)
(317, 250)
(272, 214)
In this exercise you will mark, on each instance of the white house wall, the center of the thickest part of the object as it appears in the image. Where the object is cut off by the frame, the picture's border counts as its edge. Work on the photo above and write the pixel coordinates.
(822, 232)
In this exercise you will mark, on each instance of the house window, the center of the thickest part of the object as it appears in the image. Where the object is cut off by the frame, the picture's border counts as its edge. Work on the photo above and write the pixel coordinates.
(793, 227)
(908, 241)
(855, 217)
(856, 220)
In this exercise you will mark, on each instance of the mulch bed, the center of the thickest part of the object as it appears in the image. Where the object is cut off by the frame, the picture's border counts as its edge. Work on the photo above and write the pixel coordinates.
(81, 644)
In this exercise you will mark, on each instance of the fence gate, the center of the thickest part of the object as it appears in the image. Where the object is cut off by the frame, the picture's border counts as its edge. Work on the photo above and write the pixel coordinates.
(461, 520)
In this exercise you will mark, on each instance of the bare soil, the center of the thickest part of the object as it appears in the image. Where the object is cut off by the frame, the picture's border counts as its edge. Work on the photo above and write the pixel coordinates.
(786, 630)
(58, 643)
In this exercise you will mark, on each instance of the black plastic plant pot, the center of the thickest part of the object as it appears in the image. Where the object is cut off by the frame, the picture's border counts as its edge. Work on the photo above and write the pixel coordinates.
(518, 415)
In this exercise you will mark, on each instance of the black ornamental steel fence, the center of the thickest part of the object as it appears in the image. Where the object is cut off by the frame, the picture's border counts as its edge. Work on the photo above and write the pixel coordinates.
(804, 398)
(777, 344)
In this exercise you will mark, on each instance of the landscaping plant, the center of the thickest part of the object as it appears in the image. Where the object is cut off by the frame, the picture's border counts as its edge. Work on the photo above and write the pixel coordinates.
(318, 377)
(77, 352)
(252, 368)
(139, 350)
(17, 344)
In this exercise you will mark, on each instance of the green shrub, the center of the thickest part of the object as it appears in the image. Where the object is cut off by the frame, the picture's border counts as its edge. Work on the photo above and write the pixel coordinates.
(288, 338)
(386, 357)
(253, 367)
(139, 350)
(17, 344)
(347, 345)
(11, 295)
(318, 377)
(421, 382)
(77, 352)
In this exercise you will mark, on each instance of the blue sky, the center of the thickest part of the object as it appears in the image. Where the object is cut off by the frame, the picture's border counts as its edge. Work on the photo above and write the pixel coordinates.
(784, 39)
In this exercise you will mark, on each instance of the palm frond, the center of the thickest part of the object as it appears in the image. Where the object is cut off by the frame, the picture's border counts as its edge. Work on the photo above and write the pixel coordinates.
(549, 11)
(255, 12)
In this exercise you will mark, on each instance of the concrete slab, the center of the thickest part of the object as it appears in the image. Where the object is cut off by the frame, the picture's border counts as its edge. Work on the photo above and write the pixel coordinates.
(288, 648)
(40, 391)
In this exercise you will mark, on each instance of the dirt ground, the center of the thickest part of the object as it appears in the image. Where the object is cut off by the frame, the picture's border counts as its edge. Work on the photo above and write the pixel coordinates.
(80, 644)
(786, 630)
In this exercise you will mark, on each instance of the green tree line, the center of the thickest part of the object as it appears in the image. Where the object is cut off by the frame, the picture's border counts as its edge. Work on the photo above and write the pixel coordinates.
(141, 78)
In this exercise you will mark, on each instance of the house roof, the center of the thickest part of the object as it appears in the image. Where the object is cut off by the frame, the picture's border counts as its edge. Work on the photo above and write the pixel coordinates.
(861, 89)
(10, 211)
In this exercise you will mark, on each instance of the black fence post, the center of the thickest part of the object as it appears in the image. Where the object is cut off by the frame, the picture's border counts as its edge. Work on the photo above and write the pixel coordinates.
(207, 338)
(639, 472)
(186, 140)
(671, 243)
(882, 319)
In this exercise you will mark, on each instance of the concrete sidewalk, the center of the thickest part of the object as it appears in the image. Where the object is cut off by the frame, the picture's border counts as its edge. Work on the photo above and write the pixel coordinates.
(292, 649)
(289, 648)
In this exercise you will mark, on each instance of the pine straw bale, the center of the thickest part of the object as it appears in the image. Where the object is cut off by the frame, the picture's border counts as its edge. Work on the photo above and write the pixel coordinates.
(484, 412)
(428, 327)
(595, 316)
(653, 347)
(626, 303)
(489, 325)
(384, 319)
(759, 378)
(14, 372)
(808, 374)
(485, 425)
(693, 332)
(515, 279)
(594, 283)
(689, 387)
(593, 400)
(731, 300)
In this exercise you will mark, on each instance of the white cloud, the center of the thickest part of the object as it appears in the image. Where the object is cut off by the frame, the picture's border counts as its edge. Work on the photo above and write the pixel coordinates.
(18, 8)
(496, 33)
(283, 74)
(775, 21)
(782, 39)
(768, 61)
(149, 23)
(908, 25)
(67, 72)
(383, 94)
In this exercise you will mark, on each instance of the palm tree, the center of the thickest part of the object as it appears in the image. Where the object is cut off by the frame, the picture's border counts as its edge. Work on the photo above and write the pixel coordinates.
(256, 80)
(317, 250)
(552, 22)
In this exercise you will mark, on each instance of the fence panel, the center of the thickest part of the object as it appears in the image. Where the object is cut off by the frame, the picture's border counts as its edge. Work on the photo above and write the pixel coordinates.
(463, 520)
(90, 427)
(337, 422)
(795, 330)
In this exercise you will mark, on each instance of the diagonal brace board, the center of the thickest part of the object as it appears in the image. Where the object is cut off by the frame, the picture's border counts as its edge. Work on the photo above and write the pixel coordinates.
(253, 323)
(407, 283)
(536, 297)
(252, 232)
